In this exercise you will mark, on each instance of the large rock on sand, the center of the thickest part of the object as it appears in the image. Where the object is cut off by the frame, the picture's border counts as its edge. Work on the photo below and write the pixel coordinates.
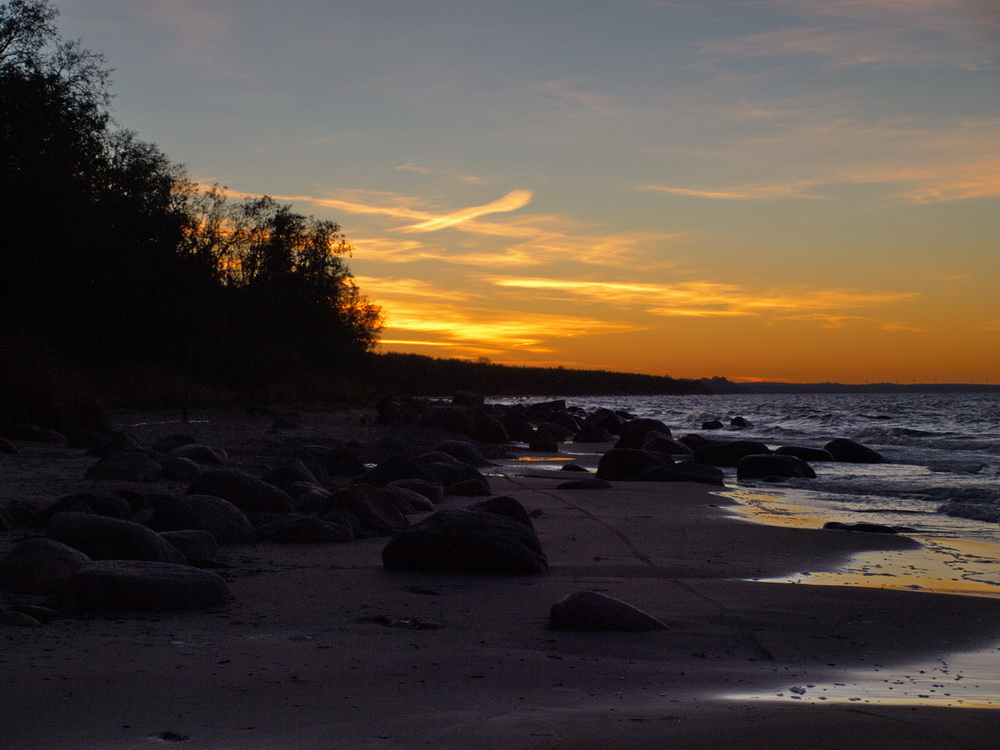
(467, 541)
(220, 518)
(591, 611)
(40, 566)
(626, 464)
(378, 511)
(105, 538)
(246, 492)
(131, 586)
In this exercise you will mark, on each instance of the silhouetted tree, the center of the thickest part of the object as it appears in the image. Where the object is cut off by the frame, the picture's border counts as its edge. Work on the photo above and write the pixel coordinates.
(108, 252)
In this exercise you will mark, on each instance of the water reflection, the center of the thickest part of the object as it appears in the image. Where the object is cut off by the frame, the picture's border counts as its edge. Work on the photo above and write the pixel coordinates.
(954, 681)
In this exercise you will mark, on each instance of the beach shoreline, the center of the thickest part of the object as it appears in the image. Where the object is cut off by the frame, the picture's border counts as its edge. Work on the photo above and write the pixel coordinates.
(302, 658)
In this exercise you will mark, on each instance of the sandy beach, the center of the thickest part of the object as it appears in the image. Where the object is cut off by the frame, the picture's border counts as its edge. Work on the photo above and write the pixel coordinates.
(323, 648)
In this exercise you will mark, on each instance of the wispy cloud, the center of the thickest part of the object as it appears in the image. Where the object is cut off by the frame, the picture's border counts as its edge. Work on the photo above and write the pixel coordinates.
(876, 32)
(511, 202)
(713, 299)
(742, 193)
(518, 241)
(917, 161)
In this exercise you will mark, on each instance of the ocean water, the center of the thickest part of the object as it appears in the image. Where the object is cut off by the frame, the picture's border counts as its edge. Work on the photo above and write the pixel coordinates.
(940, 482)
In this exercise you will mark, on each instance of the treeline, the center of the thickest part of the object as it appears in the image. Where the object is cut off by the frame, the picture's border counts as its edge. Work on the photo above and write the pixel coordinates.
(417, 375)
(721, 385)
(110, 256)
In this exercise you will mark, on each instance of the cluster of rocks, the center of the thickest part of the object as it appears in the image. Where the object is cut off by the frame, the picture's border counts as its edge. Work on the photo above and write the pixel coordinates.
(129, 550)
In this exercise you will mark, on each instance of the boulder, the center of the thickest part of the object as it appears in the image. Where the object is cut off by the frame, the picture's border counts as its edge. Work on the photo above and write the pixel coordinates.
(590, 611)
(627, 464)
(504, 506)
(198, 547)
(96, 502)
(289, 473)
(117, 441)
(39, 566)
(806, 454)
(466, 541)
(407, 500)
(451, 473)
(542, 445)
(126, 466)
(591, 433)
(343, 462)
(712, 424)
(464, 451)
(771, 465)
(728, 454)
(304, 530)
(105, 538)
(553, 431)
(220, 518)
(134, 586)
(517, 427)
(849, 451)
(169, 443)
(433, 491)
(376, 510)
(740, 423)
(394, 468)
(633, 432)
(249, 494)
(179, 469)
(660, 443)
(312, 501)
(489, 429)
(684, 471)
(450, 419)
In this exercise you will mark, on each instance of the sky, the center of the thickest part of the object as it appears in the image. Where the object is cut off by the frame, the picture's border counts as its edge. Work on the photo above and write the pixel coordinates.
(802, 190)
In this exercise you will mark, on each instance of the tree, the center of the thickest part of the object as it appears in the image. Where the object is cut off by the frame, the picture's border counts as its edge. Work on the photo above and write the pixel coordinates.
(290, 292)
(109, 253)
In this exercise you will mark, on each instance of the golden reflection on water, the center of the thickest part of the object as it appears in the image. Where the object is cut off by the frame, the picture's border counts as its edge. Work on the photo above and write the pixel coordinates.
(942, 565)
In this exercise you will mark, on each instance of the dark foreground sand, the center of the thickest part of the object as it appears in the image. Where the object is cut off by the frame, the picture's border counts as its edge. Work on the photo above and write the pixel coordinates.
(297, 662)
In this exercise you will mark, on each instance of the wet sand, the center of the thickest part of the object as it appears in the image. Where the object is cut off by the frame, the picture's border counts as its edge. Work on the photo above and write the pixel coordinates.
(298, 660)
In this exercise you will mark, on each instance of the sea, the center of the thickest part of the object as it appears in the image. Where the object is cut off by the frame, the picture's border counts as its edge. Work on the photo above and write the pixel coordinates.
(939, 484)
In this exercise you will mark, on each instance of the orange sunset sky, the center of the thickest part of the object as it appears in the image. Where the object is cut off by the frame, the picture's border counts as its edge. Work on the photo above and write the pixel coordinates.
(770, 189)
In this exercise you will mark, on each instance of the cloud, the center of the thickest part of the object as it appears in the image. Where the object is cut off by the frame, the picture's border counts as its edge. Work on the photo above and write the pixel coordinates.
(713, 299)
(742, 193)
(445, 318)
(875, 32)
(518, 241)
(916, 160)
(511, 202)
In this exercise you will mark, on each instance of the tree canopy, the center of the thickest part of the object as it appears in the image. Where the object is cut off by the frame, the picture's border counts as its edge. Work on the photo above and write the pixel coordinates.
(108, 252)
